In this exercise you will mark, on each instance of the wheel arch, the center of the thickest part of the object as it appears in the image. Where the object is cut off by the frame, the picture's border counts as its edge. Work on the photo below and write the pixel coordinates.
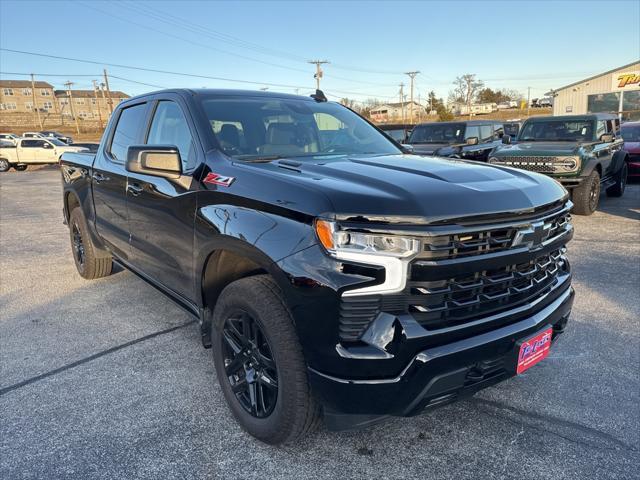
(71, 201)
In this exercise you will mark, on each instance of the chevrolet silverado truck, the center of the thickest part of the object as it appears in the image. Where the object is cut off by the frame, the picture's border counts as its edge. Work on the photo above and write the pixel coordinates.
(583, 152)
(335, 276)
(471, 140)
(33, 151)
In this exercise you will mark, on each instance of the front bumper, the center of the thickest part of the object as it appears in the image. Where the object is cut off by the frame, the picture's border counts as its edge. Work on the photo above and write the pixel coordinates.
(435, 376)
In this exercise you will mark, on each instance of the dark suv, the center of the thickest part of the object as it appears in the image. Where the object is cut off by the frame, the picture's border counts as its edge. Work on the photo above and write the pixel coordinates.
(333, 274)
(472, 140)
(583, 152)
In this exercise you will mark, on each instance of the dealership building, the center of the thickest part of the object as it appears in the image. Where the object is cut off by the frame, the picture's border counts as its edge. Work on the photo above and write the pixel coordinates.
(615, 91)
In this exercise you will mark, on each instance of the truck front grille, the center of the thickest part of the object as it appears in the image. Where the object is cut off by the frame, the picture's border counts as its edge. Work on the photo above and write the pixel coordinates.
(542, 164)
(449, 302)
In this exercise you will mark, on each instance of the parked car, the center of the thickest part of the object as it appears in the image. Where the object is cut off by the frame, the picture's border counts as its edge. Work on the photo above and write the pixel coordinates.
(397, 131)
(63, 138)
(33, 151)
(9, 137)
(91, 146)
(345, 279)
(32, 135)
(582, 152)
(471, 140)
(630, 133)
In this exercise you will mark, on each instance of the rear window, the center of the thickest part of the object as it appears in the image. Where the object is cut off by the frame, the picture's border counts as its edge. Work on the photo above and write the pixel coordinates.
(127, 131)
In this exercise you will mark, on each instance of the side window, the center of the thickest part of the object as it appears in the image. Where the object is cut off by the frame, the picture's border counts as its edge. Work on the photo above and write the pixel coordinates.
(29, 143)
(601, 129)
(486, 132)
(127, 129)
(498, 130)
(170, 127)
(472, 131)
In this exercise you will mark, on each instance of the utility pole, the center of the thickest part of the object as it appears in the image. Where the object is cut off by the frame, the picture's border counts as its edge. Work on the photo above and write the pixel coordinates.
(95, 92)
(412, 75)
(73, 114)
(402, 101)
(106, 83)
(35, 103)
(318, 74)
(528, 101)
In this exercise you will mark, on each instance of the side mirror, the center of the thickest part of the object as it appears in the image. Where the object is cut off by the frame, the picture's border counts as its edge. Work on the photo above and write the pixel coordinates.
(408, 148)
(607, 137)
(506, 139)
(47, 145)
(472, 141)
(157, 160)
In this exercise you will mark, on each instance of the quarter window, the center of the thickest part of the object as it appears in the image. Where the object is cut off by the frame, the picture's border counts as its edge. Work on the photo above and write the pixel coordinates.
(127, 130)
(170, 127)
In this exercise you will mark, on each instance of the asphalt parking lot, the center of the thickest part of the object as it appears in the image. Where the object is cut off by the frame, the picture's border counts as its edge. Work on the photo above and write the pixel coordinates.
(108, 379)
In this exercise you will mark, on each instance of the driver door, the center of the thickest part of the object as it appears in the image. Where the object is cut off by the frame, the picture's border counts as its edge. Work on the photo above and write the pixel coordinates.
(162, 211)
(46, 153)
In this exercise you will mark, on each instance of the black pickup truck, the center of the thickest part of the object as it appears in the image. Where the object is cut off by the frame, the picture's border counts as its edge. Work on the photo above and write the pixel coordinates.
(333, 274)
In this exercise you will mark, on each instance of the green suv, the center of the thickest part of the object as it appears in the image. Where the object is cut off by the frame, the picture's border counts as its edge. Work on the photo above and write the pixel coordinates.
(583, 152)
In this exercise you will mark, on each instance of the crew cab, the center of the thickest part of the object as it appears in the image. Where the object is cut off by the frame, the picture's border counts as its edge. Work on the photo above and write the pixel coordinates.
(472, 140)
(583, 152)
(33, 151)
(335, 276)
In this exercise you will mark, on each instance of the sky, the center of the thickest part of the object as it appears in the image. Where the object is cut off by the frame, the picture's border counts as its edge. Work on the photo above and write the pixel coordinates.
(512, 44)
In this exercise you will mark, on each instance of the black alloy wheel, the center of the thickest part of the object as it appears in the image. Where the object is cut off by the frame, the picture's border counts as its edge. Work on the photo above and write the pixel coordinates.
(249, 364)
(594, 195)
(77, 244)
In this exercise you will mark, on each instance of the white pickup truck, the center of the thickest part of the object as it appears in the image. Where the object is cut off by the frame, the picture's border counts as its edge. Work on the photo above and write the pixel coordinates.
(33, 151)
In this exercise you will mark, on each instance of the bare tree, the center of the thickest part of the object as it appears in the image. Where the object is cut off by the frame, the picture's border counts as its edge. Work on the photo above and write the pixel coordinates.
(466, 89)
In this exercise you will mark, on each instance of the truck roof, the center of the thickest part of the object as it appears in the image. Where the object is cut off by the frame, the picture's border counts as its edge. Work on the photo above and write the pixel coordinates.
(569, 118)
(458, 122)
(221, 92)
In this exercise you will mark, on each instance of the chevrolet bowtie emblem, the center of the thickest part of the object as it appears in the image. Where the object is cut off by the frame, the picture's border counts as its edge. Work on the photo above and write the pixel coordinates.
(532, 235)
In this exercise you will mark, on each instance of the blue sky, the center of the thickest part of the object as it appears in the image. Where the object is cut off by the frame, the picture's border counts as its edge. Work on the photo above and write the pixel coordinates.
(512, 44)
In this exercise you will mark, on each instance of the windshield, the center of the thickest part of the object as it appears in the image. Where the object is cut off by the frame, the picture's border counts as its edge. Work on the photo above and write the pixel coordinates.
(557, 131)
(630, 133)
(438, 133)
(56, 142)
(267, 128)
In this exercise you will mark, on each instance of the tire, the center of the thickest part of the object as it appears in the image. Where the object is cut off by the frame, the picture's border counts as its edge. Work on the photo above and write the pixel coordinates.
(286, 411)
(4, 165)
(617, 189)
(20, 168)
(587, 195)
(90, 262)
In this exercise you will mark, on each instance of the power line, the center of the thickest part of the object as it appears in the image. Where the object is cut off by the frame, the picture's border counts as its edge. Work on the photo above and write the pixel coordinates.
(169, 72)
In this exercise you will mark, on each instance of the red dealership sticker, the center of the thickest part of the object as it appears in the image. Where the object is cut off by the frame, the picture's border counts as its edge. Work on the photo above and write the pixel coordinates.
(534, 350)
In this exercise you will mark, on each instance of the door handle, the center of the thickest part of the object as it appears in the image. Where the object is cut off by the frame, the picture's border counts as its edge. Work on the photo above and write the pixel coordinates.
(98, 177)
(134, 189)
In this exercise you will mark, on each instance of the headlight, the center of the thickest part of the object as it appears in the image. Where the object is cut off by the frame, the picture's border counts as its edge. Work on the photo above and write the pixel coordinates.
(389, 251)
(336, 240)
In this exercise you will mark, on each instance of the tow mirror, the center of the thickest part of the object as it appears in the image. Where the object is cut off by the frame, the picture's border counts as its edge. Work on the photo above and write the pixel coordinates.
(472, 141)
(157, 160)
(606, 137)
(506, 139)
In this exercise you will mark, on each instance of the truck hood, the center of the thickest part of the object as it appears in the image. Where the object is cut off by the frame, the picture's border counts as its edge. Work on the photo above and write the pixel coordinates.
(393, 186)
(537, 148)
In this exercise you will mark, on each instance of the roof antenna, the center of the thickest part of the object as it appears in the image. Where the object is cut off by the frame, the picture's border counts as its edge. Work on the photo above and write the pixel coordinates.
(319, 96)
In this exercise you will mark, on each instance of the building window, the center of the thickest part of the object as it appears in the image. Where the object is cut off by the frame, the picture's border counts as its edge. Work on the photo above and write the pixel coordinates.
(64, 101)
(79, 101)
(26, 92)
(28, 105)
(45, 93)
(8, 91)
(93, 101)
(8, 106)
(631, 105)
(603, 102)
(47, 105)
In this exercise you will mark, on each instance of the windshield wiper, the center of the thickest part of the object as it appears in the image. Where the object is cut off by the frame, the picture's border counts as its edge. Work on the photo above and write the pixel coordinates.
(262, 159)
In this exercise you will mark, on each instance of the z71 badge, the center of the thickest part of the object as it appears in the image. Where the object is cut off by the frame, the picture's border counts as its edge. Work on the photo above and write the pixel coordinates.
(216, 179)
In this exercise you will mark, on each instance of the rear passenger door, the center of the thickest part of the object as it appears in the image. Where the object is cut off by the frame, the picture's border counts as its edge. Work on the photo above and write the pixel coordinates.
(162, 211)
(110, 178)
(27, 150)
